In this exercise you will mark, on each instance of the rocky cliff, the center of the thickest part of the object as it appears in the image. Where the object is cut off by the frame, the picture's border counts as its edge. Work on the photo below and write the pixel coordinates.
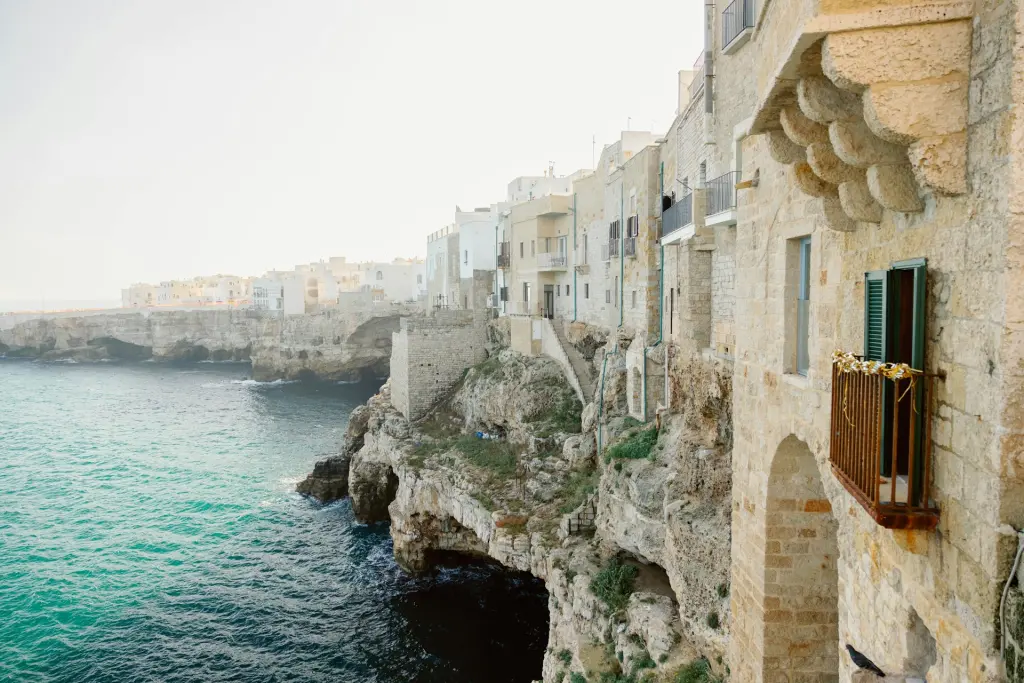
(339, 344)
(633, 545)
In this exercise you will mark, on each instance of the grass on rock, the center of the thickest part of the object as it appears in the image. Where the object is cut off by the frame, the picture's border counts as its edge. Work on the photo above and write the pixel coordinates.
(636, 447)
(614, 583)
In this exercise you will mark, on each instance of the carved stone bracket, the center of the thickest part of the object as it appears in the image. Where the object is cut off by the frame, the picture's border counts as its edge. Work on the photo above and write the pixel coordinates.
(875, 119)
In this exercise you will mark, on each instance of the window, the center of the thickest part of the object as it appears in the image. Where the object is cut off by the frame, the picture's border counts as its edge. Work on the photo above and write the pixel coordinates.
(419, 279)
(586, 290)
(465, 255)
(533, 247)
(558, 290)
(615, 299)
(567, 290)
(634, 298)
(520, 250)
(632, 202)
(380, 275)
(797, 310)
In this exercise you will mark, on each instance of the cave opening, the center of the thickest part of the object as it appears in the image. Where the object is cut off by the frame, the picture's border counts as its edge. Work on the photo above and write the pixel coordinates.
(487, 622)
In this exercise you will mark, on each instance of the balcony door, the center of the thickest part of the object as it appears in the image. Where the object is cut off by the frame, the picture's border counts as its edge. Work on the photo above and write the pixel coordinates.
(894, 325)
(549, 301)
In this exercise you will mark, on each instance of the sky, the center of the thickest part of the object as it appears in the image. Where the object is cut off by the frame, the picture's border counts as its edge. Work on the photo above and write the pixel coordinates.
(147, 141)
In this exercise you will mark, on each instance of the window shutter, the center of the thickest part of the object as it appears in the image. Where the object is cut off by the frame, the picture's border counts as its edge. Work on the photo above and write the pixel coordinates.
(875, 304)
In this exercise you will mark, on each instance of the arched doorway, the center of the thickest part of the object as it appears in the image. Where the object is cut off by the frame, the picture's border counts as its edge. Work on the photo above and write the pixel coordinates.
(801, 582)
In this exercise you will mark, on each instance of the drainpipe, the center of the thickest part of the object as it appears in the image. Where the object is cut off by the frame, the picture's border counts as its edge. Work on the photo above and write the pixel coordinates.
(496, 290)
(600, 399)
(574, 252)
(622, 250)
(661, 295)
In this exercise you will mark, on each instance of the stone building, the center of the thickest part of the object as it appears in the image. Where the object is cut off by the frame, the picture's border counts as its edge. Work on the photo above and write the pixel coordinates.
(871, 143)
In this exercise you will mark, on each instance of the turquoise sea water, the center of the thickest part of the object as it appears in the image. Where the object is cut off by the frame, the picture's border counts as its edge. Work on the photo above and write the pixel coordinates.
(149, 532)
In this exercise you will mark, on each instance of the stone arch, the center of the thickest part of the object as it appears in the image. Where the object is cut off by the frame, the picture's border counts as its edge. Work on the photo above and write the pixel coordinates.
(801, 581)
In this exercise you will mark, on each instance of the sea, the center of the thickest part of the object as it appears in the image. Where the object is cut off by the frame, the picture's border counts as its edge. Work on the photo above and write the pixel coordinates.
(149, 531)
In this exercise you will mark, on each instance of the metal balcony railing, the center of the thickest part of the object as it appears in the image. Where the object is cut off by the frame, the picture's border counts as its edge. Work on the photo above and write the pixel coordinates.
(551, 260)
(697, 84)
(721, 194)
(610, 250)
(677, 216)
(504, 255)
(629, 247)
(881, 444)
(736, 18)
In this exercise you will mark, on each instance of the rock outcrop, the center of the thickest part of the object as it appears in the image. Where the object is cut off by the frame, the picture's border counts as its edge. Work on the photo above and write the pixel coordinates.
(633, 546)
(340, 344)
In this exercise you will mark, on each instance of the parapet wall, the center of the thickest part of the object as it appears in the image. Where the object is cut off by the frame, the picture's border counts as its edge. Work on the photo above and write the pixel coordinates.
(429, 356)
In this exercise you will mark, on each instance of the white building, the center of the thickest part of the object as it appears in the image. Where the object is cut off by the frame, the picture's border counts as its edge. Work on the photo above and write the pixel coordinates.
(279, 291)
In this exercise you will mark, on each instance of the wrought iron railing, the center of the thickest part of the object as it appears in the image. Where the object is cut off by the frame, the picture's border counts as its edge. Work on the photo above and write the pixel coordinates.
(881, 445)
(736, 18)
(721, 194)
(629, 246)
(551, 260)
(677, 216)
(610, 250)
(504, 255)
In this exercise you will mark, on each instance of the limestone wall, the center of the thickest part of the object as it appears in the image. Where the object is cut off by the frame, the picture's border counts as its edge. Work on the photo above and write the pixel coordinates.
(431, 354)
(914, 602)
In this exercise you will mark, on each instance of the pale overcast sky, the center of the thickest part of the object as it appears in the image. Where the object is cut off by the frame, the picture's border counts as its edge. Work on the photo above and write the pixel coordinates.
(143, 140)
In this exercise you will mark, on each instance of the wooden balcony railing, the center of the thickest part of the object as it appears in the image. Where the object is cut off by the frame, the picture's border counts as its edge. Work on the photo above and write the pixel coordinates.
(881, 444)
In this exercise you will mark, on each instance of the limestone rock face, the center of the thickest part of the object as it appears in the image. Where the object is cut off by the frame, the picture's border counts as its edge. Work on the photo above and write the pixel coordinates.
(328, 481)
(339, 345)
(538, 499)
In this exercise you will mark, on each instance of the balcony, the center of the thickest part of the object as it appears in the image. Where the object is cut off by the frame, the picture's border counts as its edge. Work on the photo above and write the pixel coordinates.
(737, 25)
(504, 255)
(551, 261)
(676, 219)
(629, 247)
(697, 84)
(878, 421)
(721, 200)
(610, 250)
(580, 261)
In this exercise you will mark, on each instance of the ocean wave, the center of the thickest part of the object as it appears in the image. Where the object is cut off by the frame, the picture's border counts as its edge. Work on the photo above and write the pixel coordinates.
(255, 383)
(226, 361)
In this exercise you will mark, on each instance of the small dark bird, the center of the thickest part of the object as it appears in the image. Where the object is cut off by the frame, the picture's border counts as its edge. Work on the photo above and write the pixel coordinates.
(863, 662)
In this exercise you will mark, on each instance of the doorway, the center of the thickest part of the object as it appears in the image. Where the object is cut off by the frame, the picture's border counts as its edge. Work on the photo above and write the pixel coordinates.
(549, 301)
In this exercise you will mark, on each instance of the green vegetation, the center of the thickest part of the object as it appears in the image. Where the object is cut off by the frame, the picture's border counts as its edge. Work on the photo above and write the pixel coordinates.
(629, 422)
(614, 583)
(497, 456)
(581, 483)
(636, 447)
(713, 621)
(577, 678)
(697, 671)
(484, 499)
(565, 657)
(644, 661)
(559, 677)
(566, 414)
(488, 367)
(662, 658)
(723, 590)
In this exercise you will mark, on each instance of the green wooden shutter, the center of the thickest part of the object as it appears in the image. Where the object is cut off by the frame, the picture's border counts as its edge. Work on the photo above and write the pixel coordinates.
(919, 268)
(876, 289)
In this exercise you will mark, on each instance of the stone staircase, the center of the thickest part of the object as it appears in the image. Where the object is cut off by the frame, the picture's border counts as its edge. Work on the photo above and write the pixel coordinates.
(584, 371)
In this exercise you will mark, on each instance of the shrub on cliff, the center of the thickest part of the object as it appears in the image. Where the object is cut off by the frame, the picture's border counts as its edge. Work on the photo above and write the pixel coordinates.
(614, 583)
(636, 447)
(497, 456)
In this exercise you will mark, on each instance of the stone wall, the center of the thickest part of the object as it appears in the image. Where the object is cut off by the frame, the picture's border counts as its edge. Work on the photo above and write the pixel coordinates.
(915, 602)
(430, 355)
